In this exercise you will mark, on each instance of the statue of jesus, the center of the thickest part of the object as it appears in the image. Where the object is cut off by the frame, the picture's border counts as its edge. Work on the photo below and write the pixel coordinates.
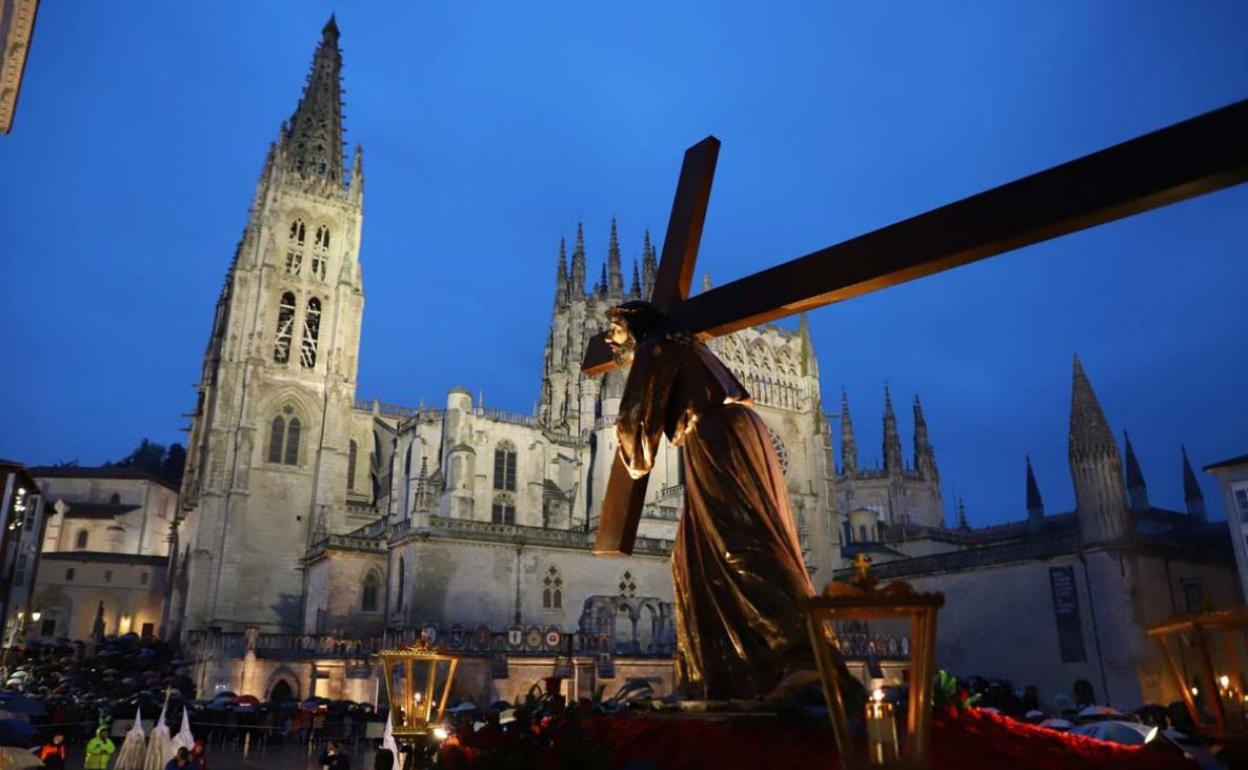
(737, 565)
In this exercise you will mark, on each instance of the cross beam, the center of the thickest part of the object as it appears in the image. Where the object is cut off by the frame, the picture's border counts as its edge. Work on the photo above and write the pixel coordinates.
(1198, 156)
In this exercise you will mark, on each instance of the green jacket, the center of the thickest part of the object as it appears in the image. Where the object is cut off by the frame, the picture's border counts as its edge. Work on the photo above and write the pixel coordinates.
(99, 749)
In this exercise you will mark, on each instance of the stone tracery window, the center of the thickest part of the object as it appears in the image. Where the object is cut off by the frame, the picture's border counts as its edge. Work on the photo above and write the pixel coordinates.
(284, 438)
(311, 333)
(503, 511)
(552, 589)
(782, 454)
(285, 324)
(320, 252)
(505, 466)
(294, 247)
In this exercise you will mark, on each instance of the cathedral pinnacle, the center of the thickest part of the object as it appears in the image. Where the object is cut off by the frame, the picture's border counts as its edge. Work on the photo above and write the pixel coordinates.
(1137, 490)
(1192, 495)
(649, 267)
(635, 290)
(924, 455)
(963, 524)
(892, 440)
(577, 288)
(1035, 504)
(849, 449)
(313, 140)
(561, 273)
(1089, 430)
(615, 280)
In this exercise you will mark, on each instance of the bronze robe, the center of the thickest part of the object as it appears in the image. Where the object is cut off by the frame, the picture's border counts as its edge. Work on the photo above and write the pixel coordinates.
(737, 565)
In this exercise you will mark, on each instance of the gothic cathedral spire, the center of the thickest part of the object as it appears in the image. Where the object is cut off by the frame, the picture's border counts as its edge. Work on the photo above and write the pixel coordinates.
(1137, 490)
(577, 289)
(849, 448)
(1095, 468)
(313, 139)
(1192, 496)
(892, 439)
(614, 279)
(649, 267)
(924, 455)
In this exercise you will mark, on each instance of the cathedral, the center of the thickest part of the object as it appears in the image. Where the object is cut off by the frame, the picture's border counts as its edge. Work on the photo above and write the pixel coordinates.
(315, 528)
(305, 510)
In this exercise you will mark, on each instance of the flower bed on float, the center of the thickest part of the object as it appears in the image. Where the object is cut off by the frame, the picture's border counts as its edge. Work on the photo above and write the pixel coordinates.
(970, 739)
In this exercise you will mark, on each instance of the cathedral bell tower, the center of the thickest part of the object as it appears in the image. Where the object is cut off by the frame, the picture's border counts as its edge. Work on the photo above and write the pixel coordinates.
(268, 455)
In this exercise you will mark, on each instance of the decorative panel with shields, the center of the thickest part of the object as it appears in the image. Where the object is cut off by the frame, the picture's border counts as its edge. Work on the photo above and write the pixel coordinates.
(1207, 656)
(862, 599)
(412, 675)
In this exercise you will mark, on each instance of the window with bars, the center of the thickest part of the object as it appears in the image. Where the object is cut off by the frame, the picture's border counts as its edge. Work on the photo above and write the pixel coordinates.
(552, 589)
(505, 466)
(284, 438)
(311, 333)
(320, 252)
(285, 326)
(504, 509)
(294, 247)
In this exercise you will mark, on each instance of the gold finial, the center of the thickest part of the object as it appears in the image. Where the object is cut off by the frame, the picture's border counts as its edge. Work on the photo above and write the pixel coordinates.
(863, 565)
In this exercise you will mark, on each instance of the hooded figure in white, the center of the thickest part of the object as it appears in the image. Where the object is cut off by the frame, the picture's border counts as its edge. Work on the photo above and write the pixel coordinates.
(158, 753)
(134, 748)
(184, 738)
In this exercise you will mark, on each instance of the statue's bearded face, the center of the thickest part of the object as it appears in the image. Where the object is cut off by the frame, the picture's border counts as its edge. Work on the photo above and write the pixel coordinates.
(621, 342)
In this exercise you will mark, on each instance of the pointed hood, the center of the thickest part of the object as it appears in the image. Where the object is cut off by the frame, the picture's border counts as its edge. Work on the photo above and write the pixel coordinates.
(1192, 496)
(313, 141)
(1137, 490)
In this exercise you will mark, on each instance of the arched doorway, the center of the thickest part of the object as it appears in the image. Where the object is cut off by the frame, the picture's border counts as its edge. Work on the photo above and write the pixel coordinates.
(281, 692)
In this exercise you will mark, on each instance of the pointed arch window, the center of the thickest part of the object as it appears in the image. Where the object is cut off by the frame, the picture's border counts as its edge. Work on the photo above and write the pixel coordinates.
(277, 437)
(552, 589)
(285, 326)
(311, 332)
(352, 452)
(504, 509)
(368, 595)
(294, 247)
(284, 438)
(505, 466)
(293, 430)
(320, 252)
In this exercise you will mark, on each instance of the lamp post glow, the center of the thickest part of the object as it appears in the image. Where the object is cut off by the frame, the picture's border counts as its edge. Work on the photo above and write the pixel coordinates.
(1215, 645)
(412, 712)
(862, 599)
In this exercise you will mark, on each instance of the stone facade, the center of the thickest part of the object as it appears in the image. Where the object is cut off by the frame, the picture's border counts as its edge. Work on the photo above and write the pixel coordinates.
(105, 552)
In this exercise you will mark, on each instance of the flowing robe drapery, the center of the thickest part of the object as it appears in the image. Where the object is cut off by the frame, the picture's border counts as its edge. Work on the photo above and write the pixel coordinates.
(737, 565)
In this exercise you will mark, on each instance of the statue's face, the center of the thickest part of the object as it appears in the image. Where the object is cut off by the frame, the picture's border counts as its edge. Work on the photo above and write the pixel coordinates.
(621, 342)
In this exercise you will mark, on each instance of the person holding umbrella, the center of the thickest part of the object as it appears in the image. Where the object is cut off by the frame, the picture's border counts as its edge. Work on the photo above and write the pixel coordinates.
(99, 750)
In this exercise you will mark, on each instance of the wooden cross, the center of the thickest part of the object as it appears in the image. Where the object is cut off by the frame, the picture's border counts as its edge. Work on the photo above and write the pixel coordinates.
(1192, 158)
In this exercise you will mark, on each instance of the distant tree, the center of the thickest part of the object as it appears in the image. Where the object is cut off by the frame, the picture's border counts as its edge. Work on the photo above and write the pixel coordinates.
(175, 461)
(147, 456)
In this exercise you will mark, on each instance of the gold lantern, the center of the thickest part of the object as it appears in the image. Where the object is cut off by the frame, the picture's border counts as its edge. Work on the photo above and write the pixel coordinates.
(413, 710)
(1205, 654)
(862, 599)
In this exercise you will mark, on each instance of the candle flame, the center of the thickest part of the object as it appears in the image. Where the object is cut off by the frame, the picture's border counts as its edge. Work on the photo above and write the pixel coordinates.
(1225, 681)
(878, 695)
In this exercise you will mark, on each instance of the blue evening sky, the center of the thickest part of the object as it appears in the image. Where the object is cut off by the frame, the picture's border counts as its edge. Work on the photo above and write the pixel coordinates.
(490, 128)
